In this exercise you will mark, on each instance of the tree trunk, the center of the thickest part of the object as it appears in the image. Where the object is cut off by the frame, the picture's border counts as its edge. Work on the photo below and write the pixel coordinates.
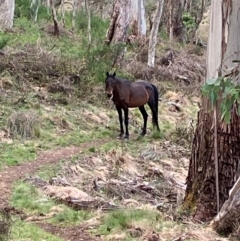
(173, 18)
(221, 145)
(34, 7)
(53, 5)
(6, 14)
(138, 20)
(89, 22)
(153, 35)
(230, 212)
(170, 21)
(74, 13)
(117, 31)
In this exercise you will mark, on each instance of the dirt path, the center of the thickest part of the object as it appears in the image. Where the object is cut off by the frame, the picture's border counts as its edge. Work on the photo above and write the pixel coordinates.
(76, 233)
(12, 174)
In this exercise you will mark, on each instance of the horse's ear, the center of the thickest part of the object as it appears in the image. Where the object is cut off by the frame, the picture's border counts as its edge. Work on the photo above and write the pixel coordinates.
(114, 74)
(107, 73)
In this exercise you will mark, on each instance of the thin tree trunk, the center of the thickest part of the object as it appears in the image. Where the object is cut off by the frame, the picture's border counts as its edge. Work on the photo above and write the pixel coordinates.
(48, 6)
(6, 14)
(201, 196)
(170, 21)
(89, 22)
(74, 13)
(54, 16)
(35, 4)
(62, 13)
(153, 35)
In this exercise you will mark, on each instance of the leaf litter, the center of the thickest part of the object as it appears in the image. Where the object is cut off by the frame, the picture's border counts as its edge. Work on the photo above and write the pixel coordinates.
(117, 180)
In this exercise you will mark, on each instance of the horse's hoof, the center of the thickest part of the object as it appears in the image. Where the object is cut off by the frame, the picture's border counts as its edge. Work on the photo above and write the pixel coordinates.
(126, 138)
(120, 136)
(143, 133)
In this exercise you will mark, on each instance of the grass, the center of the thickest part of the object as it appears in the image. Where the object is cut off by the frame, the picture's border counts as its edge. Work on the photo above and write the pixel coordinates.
(124, 219)
(71, 217)
(27, 198)
(66, 125)
(22, 231)
(16, 153)
(33, 202)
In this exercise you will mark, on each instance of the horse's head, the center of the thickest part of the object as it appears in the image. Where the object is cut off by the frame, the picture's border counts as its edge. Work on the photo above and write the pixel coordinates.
(110, 81)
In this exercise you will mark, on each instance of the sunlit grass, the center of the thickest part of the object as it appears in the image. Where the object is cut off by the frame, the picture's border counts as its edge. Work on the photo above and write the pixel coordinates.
(22, 231)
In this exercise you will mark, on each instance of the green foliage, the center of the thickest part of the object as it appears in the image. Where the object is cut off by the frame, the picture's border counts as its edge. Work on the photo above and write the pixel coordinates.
(13, 154)
(26, 231)
(122, 219)
(22, 9)
(3, 40)
(26, 197)
(188, 21)
(70, 216)
(98, 25)
(224, 89)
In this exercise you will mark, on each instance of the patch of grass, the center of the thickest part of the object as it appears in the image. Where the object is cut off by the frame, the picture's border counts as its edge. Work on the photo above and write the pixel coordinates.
(14, 154)
(3, 40)
(27, 231)
(157, 135)
(123, 219)
(28, 35)
(70, 216)
(29, 199)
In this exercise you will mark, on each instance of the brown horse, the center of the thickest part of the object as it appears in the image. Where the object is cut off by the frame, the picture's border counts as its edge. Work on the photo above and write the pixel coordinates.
(126, 94)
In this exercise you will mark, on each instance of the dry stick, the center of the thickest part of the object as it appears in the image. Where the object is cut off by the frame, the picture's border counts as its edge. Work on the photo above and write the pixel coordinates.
(216, 155)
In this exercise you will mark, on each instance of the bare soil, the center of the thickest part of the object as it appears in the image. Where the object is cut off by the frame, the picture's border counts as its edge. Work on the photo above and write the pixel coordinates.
(12, 174)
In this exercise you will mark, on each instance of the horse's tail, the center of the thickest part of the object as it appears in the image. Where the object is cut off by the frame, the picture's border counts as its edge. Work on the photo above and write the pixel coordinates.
(156, 96)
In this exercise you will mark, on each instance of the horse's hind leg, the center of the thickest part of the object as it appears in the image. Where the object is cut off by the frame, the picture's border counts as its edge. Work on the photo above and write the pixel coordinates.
(154, 113)
(126, 122)
(145, 116)
(119, 110)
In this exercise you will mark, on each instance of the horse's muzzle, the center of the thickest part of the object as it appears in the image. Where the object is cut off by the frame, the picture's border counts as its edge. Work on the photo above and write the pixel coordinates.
(109, 95)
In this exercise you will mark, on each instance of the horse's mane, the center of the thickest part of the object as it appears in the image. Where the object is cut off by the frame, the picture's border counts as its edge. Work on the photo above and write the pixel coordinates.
(122, 80)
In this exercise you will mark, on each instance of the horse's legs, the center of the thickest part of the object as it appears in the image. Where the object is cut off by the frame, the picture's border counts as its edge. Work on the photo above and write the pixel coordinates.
(154, 113)
(145, 116)
(119, 110)
(126, 122)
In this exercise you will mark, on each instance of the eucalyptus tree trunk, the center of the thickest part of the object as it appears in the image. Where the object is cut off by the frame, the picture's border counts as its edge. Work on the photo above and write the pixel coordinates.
(53, 5)
(34, 7)
(215, 157)
(170, 20)
(153, 34)
(6, 14)
(74, 13)
(89, 22)
(62, 13)
(138, 20)
(120, 19)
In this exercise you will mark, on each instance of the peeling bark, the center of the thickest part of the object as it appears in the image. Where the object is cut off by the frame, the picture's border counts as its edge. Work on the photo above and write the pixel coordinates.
(117, 31)
(6, 14)
(229, 214)
(138, 21)
(223, 48)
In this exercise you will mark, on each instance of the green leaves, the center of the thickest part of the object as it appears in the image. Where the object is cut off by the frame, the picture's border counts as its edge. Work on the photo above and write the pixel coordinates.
(224, 89)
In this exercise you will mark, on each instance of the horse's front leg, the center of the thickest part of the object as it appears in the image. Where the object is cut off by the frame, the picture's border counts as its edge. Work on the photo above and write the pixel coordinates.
(126, 122)
(119, 110)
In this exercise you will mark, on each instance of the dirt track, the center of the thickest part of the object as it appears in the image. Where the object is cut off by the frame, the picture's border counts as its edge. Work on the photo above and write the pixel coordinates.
(12, 174)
